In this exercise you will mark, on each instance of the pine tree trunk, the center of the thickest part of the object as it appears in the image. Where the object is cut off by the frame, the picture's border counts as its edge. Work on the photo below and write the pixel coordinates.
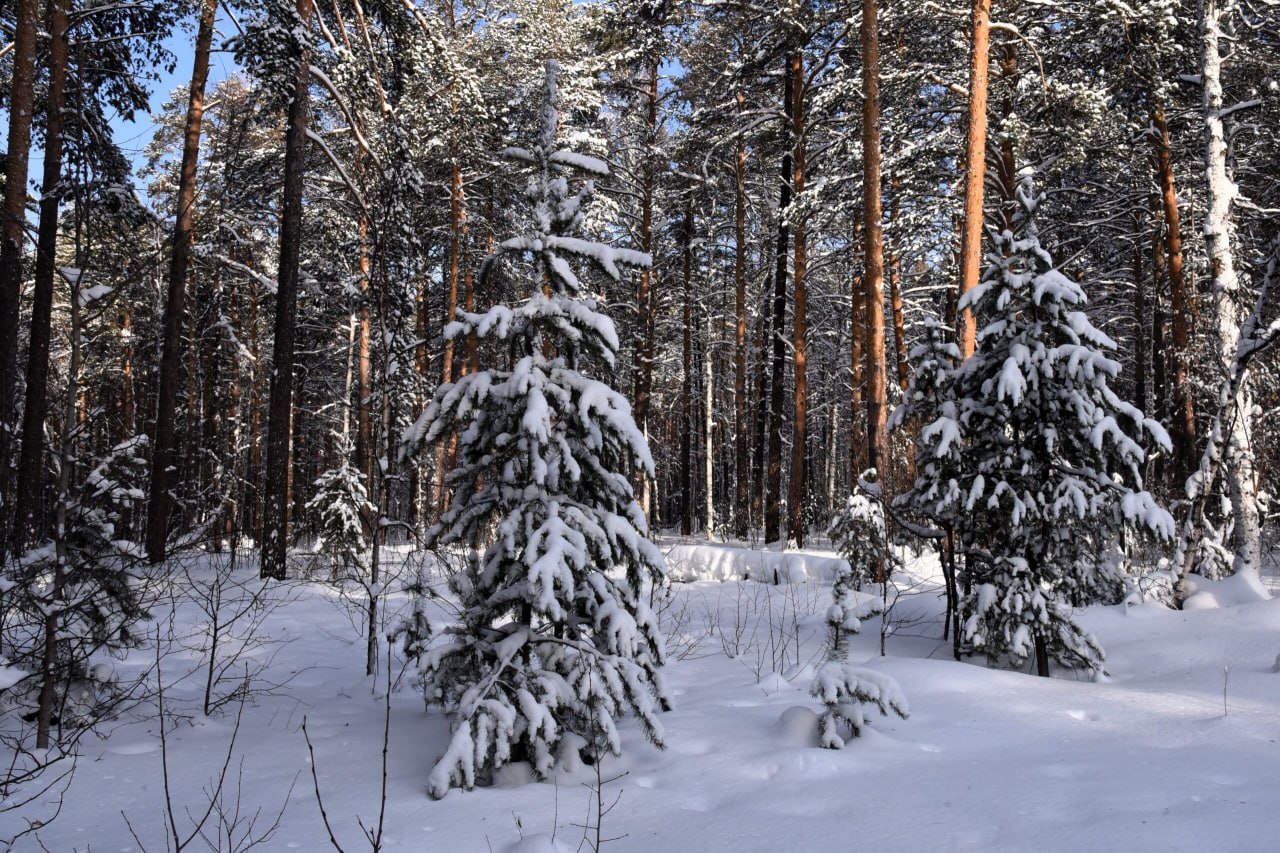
(686, 383)
(275, 521)
(163, 440)
(364, 420)
(760, 428)
(975, 165)
(857, 363)
(873, 280)
(13, 238)
(742, 472)
(1139, 330)
(1239, 462)
(708, 430)
(255, 499)
(30, 491)
(457, 233)
(128, 417)
(796, 503)
(895, 300)
(1183, 421)
(773, 486)
(1158, 355)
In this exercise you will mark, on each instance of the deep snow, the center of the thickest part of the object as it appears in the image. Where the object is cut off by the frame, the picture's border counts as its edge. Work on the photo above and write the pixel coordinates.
(989, 760)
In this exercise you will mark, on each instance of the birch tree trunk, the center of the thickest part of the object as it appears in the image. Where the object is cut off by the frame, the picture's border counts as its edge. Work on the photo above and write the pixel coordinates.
(1240, 466)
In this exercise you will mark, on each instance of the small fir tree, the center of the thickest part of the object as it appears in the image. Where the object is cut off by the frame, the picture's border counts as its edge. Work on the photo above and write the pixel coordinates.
(1052, 460)
(76, 596)
(555, 640)
(859, 533)
(342, 513)
(936, 496)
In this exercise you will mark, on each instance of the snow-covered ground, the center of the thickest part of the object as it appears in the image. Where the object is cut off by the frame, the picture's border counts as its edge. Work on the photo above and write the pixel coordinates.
(1178, 749)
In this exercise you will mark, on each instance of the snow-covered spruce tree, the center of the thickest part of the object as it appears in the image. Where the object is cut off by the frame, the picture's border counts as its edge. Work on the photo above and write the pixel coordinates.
(75, 596)
(555, 641)
(859, 532)
(935, 496)
(343, 514)
(1052, 459)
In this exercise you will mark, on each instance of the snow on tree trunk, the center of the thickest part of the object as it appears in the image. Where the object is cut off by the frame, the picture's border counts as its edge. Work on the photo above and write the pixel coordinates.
(556, 641)
(1241, 473)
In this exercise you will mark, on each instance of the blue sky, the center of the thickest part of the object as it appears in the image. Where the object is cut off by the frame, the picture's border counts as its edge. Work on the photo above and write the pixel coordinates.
(133, 136)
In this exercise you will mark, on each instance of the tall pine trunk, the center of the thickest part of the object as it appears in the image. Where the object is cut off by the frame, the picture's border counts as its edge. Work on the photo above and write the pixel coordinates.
(773, 485)
(13, 237)
(796, 522)
(873, 280)
(975, 165)
(163, 441)
(30, 492)
(275, 511)
(1183, 420)
(742, 472)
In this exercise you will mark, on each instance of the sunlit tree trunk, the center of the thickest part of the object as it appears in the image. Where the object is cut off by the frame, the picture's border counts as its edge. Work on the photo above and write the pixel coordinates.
(1239, 461)
(163, 440)
(873, 280)
(1183, 422)
(975, 165)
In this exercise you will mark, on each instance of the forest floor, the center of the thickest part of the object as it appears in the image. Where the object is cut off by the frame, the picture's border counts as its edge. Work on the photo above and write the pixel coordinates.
(1177, 748)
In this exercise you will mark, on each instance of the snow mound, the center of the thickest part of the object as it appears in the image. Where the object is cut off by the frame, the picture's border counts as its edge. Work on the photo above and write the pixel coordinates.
(538, 844)
(688, 563)
(1241, 588)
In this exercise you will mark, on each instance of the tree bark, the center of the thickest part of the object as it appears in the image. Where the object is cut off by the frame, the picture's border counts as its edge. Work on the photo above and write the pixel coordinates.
(30, 491)
(275, 522)
(796, 522)
(975, 169)
(742, 472)
(1139, 330)
(895, 298)
(646, 298)
(1183, 421)
(686, 383)
(857, 363)
(873, 280)
(14, 213)
(163, 440)
(773, 485)
(1218, 226)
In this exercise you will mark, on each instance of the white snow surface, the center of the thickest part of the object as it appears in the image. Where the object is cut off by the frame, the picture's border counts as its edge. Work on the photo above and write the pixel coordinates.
(727, 563)
(989, 760)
